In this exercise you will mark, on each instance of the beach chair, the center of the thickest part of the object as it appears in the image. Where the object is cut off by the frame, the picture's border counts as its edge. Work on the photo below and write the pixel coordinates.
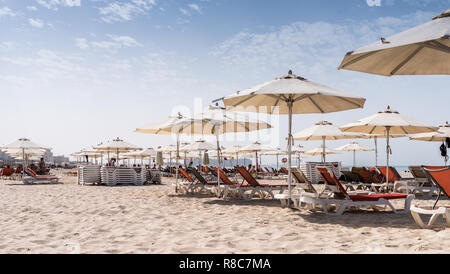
(188, 184)
(371, 180)
(32, 177)
(342, 199)
(353, 181)
(7, 173)
(260, 189)
(303, 187)
(228, 188)
(440, 177)
(420, 185)
(284, 170)
(203, 185)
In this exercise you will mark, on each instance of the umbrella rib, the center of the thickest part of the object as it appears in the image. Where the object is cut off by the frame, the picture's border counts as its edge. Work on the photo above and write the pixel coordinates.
(303, 96)
(243, 100)
(350, 102)
(358, 59)
(315, 104)
(437, 46)
(407, 59)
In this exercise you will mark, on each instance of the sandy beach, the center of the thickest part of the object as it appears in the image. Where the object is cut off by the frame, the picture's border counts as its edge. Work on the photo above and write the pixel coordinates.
(68, 218)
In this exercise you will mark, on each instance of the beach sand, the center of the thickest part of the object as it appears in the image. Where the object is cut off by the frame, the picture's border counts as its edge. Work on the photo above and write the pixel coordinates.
(68, 218)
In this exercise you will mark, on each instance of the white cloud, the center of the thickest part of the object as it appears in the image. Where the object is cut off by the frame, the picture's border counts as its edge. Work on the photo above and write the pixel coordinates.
(125, 11)
(81, 43)
(37, 23)
(373, 3)
(54, 4)
(125, 41)
(317, 47)
(195, 7)
(5, 11)
(185, 12)
(32, 8)
(115, 42)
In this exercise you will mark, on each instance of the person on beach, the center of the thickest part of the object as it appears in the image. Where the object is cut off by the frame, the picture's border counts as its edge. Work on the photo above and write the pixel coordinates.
(42, 168)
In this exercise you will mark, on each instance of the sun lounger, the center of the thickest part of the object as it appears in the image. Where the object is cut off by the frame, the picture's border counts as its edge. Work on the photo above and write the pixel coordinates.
(371, 180)
(260, 189)
(343, 199)
(32, 177)
(353, 181)
(203, 185)
(303, 188)
(440, 177)
(7, 173)
(420, 185)
(89, 175)
(230, 189)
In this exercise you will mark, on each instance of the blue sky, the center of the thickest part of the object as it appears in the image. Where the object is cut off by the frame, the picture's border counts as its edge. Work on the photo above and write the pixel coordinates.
(77, 72)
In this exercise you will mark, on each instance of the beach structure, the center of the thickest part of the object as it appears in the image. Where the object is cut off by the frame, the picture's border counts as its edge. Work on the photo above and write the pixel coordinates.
(117, 146)
(323, 131)
(292, 94)
(442, 135)
(276, 152)
(375, 138)
(24, 144)
(388, 122)
(353, 147)
(440, 176)
(255, 148)
(424, 49)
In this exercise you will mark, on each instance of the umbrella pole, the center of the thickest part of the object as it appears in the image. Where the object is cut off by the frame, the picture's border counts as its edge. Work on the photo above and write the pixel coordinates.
(290, 103)
(324, 152)
(237, 158)
(354, 158)
(277, 162)
(256, 156)
(24, 163)
(388, 150)
(176, 168)
(218, 164)
(376, 151)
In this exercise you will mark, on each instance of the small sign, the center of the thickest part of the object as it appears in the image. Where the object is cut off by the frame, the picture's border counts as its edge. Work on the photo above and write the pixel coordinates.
(284, 160)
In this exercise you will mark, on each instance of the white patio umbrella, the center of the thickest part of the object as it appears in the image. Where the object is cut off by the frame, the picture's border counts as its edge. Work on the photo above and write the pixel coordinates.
(290, 95)
(216, 121)
(323, 131)
(388, 122)
(439, 136)
(354, 147)
(170, 149)
(255, 148)
(298, 151)
(320, 151)
(200, 146)
(233, 151)
(375, 137)
(424, 49)
(117, 146)
(276, 152)
(24, 144)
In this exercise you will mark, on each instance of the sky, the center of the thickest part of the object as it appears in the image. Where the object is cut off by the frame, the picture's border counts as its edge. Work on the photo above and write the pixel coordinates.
(74, 73)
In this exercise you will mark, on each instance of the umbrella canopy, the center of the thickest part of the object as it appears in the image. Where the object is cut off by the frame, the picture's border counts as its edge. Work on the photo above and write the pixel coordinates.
(323, 131)
(396, 122)
(116, 146)
(388, 122)
(353, 146)
(167, 148)
(441, 135)
(28, 152)
(200, 145)
(424, 49)
(23, 143)
(166, 127)
(290, 95)
(438, 136)
(255, 148)
(320, 151)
